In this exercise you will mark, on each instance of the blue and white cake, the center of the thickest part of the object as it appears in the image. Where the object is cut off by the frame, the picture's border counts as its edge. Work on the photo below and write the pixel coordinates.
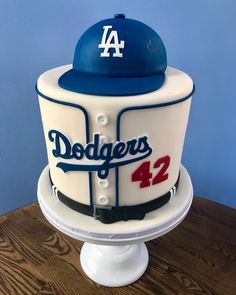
(115, 121)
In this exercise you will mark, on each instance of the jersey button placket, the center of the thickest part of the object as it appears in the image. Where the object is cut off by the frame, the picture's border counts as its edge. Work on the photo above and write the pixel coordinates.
(102, 120)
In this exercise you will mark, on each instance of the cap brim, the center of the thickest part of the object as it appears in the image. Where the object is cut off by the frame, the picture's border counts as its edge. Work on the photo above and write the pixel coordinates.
(76, 81)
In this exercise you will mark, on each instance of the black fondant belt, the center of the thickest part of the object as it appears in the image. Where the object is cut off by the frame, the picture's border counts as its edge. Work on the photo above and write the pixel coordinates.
(109, 214)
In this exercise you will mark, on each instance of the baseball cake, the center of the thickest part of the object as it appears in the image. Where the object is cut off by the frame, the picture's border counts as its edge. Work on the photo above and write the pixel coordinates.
(114, 122)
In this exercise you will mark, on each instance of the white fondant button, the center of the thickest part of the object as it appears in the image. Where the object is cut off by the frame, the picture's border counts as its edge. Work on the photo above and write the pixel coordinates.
(102, 119)
(104, 183)
(104, 139)
(103, 200)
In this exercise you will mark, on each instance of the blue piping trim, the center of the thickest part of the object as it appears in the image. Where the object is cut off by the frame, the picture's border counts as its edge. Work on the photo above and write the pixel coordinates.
(118, 119)
(87, 130)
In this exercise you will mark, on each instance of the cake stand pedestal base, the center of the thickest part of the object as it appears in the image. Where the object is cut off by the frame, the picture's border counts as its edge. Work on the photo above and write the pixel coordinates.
(115, 255)
(114, 266)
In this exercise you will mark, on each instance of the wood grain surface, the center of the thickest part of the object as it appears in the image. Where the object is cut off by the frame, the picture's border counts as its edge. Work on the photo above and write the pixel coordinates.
(198, 257)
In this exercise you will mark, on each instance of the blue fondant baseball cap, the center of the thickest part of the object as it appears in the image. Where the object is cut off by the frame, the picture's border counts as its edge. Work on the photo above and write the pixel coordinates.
(115, 57)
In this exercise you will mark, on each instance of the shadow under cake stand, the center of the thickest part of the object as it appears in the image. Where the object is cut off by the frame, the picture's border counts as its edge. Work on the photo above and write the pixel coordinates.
(115, 255)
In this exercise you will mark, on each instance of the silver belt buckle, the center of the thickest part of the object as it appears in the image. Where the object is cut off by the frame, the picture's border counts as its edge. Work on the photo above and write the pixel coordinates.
(172, 192)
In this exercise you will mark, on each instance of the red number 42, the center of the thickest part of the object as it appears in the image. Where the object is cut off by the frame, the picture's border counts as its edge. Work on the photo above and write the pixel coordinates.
(143, 174)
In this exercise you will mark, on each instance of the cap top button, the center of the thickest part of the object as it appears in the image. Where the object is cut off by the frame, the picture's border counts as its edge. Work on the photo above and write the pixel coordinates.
(119, 15)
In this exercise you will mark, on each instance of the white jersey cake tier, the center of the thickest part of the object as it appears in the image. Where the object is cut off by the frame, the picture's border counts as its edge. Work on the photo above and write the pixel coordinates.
(112, 151)
(160, 116)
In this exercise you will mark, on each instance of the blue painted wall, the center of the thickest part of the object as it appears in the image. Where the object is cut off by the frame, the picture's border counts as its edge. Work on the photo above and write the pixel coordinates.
(200, 39)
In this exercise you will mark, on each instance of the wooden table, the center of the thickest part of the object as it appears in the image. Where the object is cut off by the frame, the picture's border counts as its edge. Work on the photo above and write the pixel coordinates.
(198, 257)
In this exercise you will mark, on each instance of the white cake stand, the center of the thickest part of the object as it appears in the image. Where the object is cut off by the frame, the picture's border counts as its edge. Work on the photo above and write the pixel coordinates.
(115, 255)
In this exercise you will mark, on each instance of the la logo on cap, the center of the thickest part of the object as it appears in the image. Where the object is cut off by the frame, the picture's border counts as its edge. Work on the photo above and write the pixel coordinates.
(107, 45)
